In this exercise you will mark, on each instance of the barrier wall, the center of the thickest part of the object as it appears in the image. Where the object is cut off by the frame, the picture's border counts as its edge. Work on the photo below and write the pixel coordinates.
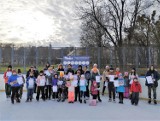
(144, 93)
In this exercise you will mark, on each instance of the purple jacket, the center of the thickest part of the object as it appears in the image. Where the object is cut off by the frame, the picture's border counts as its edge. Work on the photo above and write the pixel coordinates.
(54, 82)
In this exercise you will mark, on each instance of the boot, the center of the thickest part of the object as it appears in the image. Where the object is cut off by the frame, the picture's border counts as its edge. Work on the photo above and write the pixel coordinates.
(149, 101)
(155, 102)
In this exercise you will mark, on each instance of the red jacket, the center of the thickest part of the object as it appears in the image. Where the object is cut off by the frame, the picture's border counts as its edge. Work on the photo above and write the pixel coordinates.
(94, 90)
(136, 87)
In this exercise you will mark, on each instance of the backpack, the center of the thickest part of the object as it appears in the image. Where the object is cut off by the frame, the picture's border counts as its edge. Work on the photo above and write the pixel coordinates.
(88, 75)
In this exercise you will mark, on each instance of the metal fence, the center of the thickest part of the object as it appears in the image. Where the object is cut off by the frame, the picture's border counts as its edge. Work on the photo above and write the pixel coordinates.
(124, 57)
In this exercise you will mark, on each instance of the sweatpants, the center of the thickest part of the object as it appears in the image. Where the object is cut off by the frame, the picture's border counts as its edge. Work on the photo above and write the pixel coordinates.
(7, 89)
(111, 90)
(71, 97)
(121, 96)
(135, 98)
(40, 89)
(77, 93)
(48, 91)
(15, 93)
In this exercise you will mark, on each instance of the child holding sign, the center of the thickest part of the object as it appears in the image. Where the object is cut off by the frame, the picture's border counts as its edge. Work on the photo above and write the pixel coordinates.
(82, 84)
(121, 88)
(135, 90)
(111, 87)
(54, 86)
(41, 80)
(30, 82)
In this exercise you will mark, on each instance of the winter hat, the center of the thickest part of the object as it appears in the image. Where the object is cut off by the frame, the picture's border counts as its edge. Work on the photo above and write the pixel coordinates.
(111, 68)
(9, 66)
(14, 71)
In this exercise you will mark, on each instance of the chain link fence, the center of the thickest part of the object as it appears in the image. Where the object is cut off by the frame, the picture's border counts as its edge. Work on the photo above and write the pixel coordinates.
(123, 57)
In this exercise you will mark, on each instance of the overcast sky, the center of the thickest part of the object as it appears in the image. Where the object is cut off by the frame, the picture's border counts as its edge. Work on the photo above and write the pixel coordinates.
(39, 22)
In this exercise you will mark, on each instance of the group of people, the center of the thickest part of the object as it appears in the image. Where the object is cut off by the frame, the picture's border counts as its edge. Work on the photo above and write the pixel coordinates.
(79, 85)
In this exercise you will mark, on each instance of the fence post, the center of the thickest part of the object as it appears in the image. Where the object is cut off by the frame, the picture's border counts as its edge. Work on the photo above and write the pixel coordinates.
(124, 58)
(149, 55)
(136, 59)
(36, 57)
(24, 59)
(49, 53)
(86, 51)
(12, 56)
(99, 57)
(111, 57)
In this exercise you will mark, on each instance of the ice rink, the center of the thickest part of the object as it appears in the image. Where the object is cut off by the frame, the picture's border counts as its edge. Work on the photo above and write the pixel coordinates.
(62, 111)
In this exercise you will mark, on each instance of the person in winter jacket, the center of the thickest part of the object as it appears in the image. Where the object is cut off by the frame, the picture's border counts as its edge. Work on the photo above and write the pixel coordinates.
(21, 82)
(111, 87)
(121, 88)
(105, 78)
(155, 77)
(94, 90)
(61, 88)
(95, 72)
(41, 80)
(30, 82)
(55, 86)
(6, 76)
(14, 86)
(49, 77)
(87, 74)
(135, 90)
(132, 75)
(70, 70)
(82, 85)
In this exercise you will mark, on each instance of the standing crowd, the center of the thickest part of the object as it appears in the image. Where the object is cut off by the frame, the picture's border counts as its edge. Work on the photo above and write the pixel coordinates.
(79, 85)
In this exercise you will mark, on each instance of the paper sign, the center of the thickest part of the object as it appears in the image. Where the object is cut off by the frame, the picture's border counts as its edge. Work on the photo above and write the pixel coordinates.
(60, 82)
(20, 80)
(149, 80)
(74, 83)
(31, 83)
(8, 74)
(116, 83)
(54, 88)
(131, 81)
(121, 82)
(111, 78)
(82, 82)
(106, 84)
(98, 78)
(42, 82)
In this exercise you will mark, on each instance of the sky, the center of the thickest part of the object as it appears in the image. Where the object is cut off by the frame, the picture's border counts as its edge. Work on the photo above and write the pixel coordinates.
(39, 22)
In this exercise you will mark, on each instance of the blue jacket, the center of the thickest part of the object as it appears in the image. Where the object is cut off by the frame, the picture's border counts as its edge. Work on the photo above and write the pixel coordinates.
(27, 81)
(13, 81)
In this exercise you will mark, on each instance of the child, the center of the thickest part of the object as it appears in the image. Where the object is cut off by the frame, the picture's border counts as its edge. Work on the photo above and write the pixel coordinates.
(71, 90)
(111, 87)
(94, 93)
(126, 85)
(30, 82)
(6, 76)
(61, 88)
(21, 82)
(41, 80)
(54, 86)
(48, 90)
(82, 84)
(120, 88)
(14, 86)
(135, 90)
(77, 88)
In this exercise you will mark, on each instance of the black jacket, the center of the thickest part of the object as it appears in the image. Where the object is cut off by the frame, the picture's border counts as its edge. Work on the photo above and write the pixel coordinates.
(155, 75)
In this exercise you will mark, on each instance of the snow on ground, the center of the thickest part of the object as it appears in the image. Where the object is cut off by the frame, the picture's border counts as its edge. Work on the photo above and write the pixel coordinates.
(58, 111)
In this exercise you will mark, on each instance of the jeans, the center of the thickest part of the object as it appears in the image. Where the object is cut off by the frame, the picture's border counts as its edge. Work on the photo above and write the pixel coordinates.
(82, 95)
(30, 94)
(7, 89)
(152, 88)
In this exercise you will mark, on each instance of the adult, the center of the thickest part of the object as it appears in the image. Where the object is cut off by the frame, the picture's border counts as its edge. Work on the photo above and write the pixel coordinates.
(80, 69)
(152, 86)
(105, 78)
(47, 66)
(6, 76)
(132, 75)
(70, 70)
(60, 68)
(14, 87)
(95, 72)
